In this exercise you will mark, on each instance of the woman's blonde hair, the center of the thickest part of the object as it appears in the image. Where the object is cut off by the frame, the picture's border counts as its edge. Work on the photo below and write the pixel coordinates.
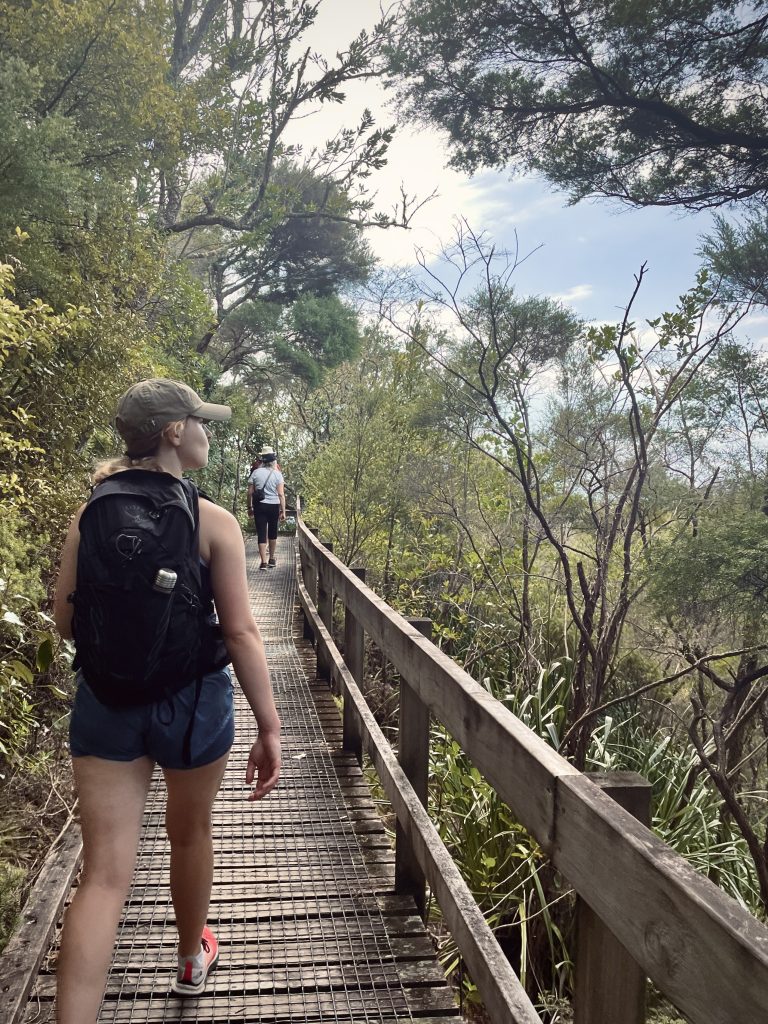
(149, 461)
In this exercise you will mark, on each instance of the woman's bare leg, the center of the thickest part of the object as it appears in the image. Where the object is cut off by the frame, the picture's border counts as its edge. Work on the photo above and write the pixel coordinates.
(111, 798)
(191, 793)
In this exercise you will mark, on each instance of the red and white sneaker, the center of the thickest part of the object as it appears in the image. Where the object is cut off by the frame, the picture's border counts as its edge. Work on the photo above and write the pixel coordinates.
(193, 970)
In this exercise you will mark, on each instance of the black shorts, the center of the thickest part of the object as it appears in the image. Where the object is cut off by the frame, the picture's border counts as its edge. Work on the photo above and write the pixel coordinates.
(266, 515)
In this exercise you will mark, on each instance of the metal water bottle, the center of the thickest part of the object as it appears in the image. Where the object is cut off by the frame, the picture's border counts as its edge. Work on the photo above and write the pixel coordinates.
(165, 581)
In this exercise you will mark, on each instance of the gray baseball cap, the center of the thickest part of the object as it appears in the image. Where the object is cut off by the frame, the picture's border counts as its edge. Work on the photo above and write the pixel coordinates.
(148, 406)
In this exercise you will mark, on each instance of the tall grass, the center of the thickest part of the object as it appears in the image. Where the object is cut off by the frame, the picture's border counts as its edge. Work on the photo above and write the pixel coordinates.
(686, 809)
(687, 812)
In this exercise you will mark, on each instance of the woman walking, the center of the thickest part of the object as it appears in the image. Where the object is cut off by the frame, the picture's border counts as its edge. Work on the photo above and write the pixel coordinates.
(266, 496)
(122, 726)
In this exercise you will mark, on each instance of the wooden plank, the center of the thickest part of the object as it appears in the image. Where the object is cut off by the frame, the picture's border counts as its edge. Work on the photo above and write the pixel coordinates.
(270, 886)
(379, 877)
(324, 610)
(499, 987)
(29, 943)
(333, 864)
(268, 910)
(309, 574)
(304, 567)
(698, 946)
(278, 845)
(312, 947)
(44, 1014)
(329, 874)
(274, 978)
(241, 931)
(364, 824)
(595, 844)
(270, 1008)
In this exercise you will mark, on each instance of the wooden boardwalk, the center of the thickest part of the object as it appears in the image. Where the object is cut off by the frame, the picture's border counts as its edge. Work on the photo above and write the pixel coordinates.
(303, 905)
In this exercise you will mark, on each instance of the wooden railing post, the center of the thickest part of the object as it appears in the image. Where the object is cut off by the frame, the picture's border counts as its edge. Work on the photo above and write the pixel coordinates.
(325, 611)
(609, 985)
(413, 755)
(354, 656)
(309, 574)
(310, 578)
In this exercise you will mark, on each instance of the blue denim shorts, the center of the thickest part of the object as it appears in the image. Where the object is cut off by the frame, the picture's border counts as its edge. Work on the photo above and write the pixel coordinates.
(156, 730)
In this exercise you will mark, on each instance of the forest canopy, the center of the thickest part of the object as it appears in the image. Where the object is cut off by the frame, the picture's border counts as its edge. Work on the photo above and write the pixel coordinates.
(649, 103)
(579, 507)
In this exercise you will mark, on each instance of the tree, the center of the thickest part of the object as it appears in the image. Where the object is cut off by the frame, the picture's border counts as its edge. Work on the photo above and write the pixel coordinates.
(268, 347)
(737, 254)
(98, 66)
(366, 475)
(585, 476)
(262, 220)
(31, 497)
(710, 588)
(650, 102)
(83, 97)
(133, 126)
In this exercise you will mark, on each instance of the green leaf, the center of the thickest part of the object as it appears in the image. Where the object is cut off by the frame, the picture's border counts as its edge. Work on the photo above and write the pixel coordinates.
(24, 672)
(44, 655)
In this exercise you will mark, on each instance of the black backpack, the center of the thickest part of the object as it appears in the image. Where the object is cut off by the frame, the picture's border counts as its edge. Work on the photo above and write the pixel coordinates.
(141, 634)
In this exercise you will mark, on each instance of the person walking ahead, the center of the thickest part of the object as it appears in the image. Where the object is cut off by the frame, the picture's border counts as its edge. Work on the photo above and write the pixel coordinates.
(266, 496)
(152, 686)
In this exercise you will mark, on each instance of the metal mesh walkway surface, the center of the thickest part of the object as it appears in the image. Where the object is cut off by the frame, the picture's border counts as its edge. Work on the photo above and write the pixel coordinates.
(303, 901)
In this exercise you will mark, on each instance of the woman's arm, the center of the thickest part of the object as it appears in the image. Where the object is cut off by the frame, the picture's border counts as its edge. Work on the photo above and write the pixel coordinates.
(67, 578)
(250, 498)
(281, 496)
(243, 640)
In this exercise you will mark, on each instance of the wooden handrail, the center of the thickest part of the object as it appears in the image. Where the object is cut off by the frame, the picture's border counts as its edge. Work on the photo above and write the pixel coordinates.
(700, 948)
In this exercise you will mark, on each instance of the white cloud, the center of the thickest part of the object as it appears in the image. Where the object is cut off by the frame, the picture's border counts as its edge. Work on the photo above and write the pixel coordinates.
(575, 294)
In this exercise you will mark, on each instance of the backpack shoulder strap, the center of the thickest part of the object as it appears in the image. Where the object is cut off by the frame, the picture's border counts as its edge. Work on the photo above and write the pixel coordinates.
(191, 496)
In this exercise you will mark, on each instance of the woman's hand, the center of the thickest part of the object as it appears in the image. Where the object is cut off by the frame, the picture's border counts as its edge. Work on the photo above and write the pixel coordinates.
(264, 765)
(282, 515)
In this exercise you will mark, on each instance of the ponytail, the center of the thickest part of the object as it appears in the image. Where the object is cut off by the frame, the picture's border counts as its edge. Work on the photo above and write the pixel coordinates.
(110, 466)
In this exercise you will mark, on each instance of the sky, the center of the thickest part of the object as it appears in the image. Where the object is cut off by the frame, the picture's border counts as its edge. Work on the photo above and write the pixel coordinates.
(586, 255)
